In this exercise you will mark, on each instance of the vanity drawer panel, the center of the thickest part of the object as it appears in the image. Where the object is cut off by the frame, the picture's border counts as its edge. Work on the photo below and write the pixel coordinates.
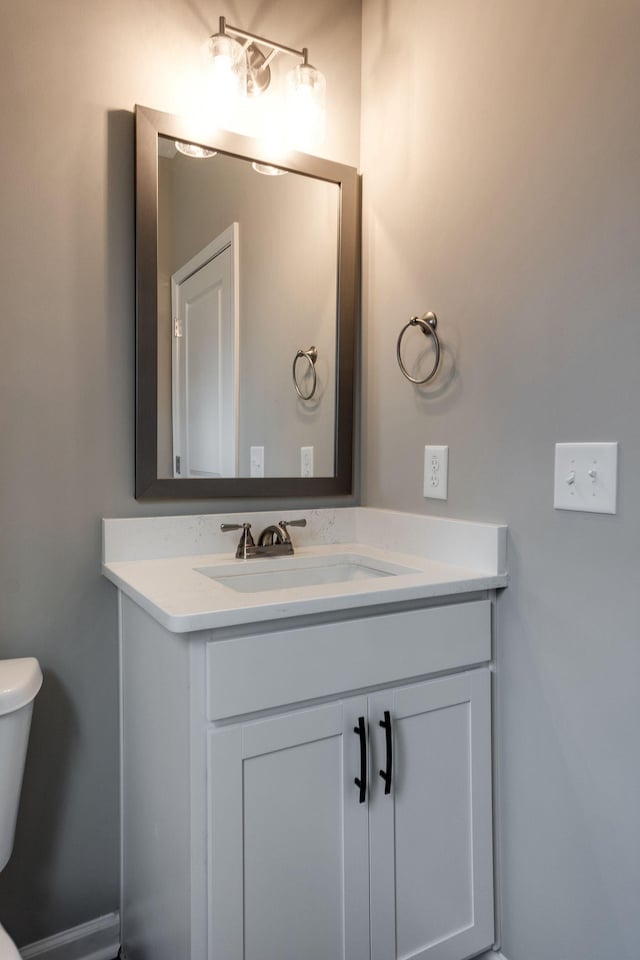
(262, 671)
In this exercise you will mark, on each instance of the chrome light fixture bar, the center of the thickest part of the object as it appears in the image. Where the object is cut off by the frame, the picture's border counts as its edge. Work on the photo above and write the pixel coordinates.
(258, 70)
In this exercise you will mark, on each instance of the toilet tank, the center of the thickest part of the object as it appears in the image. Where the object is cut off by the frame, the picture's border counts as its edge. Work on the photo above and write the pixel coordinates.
(20, 681)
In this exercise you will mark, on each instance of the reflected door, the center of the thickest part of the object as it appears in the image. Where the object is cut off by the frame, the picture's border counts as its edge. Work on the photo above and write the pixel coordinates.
(205, 358)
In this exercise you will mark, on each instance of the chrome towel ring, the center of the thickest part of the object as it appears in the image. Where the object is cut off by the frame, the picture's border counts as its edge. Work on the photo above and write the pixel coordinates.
(427, 323)
(310, 355)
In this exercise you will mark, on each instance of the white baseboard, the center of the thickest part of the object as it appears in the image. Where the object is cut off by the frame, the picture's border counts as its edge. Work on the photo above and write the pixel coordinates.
(100, 940)
(97, 940)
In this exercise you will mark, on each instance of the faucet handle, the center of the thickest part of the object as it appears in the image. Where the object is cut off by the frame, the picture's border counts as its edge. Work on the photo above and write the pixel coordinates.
(226, 527)
(246, 540)
(291, 523)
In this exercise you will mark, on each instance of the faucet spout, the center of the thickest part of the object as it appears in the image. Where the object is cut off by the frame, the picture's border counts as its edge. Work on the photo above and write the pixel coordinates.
(271, 535)
(274, 541)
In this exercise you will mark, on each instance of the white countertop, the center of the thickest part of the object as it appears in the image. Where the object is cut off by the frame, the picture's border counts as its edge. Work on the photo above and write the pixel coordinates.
(446, 556)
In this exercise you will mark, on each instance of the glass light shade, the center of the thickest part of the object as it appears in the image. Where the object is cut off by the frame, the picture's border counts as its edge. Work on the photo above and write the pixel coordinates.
(227, 75)
(192, 150)
(306, 88)
(268, 170)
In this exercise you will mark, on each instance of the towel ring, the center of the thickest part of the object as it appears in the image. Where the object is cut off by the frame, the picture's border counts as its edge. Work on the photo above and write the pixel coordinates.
(427, 323)
(310, 355)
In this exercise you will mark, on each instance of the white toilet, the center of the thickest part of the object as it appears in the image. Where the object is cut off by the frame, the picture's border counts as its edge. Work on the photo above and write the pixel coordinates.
(20, 681)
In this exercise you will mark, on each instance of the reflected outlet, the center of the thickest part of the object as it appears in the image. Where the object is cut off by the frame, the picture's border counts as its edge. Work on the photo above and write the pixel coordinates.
(306, 461)
(436, 472)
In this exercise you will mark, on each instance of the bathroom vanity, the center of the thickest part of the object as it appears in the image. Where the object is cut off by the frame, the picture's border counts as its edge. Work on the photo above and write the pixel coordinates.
(306, 742)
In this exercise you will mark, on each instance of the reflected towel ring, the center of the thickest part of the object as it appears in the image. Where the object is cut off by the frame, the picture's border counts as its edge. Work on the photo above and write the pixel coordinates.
(310, 355)
(427, 323)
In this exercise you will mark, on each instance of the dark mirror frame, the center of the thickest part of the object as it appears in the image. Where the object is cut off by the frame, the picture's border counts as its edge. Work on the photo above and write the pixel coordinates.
(149, 125)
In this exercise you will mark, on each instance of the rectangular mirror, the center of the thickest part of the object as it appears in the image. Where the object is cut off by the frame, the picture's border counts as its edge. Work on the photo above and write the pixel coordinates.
(246, 270)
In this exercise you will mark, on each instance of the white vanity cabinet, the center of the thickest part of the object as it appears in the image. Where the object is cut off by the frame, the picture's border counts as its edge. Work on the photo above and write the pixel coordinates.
(305, 863)
(245, 836)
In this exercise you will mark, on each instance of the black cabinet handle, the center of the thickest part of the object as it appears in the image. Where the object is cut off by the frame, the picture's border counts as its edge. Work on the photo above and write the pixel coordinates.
(361, 781)
(386, 774)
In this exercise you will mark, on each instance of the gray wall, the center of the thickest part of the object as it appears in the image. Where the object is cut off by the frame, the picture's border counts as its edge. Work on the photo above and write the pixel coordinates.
(501, 149)
(70, 74)
(500, 159)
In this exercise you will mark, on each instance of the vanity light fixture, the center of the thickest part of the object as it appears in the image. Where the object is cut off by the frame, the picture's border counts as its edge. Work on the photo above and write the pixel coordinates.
(243, 66)
(227, 73)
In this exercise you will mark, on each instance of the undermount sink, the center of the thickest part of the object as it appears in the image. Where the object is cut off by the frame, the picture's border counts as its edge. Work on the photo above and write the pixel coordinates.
(265, 574)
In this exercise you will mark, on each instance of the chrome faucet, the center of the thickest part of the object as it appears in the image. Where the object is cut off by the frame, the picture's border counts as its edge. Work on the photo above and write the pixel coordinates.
(274, 541)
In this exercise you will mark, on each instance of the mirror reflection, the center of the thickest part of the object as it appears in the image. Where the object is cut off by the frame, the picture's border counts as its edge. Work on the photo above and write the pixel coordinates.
(247, 299)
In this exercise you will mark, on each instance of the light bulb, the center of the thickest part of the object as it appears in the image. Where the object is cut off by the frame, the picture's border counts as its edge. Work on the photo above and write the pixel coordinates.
(306, 106)
(227, 76)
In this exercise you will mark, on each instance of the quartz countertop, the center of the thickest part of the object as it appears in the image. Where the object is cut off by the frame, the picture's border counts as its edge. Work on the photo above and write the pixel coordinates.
(444, 557)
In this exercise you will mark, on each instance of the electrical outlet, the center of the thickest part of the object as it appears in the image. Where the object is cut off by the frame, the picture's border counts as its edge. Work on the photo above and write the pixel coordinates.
(256, 461)
(436, 472)
(306, 461)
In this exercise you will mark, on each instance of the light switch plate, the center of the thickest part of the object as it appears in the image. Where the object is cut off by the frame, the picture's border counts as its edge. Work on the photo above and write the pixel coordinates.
(586, 477)
(436, 472)
(256, 461)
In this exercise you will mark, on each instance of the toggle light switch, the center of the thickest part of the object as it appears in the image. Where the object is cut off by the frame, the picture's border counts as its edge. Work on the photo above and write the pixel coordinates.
(586, 477)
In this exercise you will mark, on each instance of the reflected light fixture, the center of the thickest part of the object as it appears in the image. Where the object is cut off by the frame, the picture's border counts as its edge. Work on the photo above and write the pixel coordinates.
(193, 150)
(240, 64)
(267, 169)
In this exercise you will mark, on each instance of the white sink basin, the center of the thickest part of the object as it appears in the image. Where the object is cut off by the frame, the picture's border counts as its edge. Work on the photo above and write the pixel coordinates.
(254, 576)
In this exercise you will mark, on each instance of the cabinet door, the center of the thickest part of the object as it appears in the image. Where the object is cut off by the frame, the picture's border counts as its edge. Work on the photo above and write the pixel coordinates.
(288, 838)
(431, 836)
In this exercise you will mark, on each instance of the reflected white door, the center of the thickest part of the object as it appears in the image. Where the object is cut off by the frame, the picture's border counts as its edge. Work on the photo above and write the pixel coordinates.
(204, 295)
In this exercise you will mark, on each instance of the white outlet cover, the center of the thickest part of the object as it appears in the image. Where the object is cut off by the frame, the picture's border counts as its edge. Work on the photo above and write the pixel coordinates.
(306, 461)
(436, 472)
(586, 477)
